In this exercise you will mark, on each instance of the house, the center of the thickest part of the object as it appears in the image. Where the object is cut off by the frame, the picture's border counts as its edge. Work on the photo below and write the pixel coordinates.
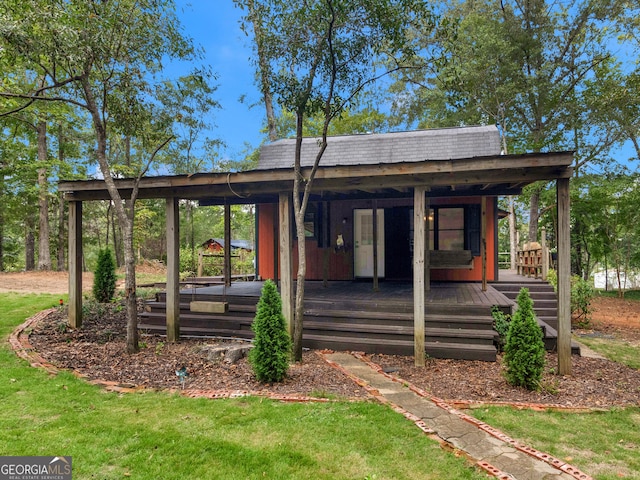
(216, 245)
(372, 198)
(339, 223)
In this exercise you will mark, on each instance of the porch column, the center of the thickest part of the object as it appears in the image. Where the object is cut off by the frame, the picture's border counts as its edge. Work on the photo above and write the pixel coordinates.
(173, 270)
(374, 212)
(286, 283)
(483, 241)
(419, 212)
(427, 247)
(75, 264)
(564, 278)
(226, 270)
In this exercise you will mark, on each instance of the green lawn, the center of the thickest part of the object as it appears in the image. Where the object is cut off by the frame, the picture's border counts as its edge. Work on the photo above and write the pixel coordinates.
(158, 435)
(605, 445)
(618, 350)
(628, 295)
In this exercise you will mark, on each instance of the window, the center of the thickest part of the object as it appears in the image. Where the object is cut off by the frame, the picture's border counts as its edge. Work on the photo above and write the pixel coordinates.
(310, 222)
(454, 228)
(316, 223)
(450, 222)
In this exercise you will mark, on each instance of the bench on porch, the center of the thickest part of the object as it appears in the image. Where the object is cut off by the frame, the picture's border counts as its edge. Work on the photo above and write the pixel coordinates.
(450, 259)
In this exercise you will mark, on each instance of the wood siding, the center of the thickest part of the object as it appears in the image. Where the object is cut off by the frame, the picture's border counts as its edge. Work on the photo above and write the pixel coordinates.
(338, 262)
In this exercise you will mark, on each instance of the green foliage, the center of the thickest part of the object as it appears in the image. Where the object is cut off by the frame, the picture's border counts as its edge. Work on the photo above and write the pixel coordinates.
(501, 322)
(188, 262)
(581, 295)
(552, 278)
(104, 280)
(272, 345)
(524, 350)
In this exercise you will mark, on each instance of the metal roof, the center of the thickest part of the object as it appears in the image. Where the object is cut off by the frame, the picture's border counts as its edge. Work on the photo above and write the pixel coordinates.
(386, 148)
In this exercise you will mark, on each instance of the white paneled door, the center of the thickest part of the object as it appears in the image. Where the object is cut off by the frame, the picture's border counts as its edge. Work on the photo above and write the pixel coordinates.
(363, 236)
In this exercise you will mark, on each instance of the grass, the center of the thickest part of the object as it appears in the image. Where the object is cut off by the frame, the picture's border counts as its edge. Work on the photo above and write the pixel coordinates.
(628, 294)
(605, 445)
(159, 435)
(618, 350)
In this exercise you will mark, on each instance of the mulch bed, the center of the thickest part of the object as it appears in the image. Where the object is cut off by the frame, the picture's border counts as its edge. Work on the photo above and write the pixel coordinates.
(97, 351)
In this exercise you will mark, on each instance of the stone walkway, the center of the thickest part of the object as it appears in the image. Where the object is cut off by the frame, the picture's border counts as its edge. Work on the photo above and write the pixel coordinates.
(492, 451)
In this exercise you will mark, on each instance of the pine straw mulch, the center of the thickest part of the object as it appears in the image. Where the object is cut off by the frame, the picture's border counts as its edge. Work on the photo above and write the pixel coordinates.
(97, 351)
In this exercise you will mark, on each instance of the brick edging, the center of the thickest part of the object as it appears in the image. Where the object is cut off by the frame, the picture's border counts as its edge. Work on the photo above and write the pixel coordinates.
(19, 341)
(554, 462)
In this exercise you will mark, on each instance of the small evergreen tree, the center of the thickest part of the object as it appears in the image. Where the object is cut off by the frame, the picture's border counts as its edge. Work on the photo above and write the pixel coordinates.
(104, 280)
(524, 350)
(272, 345)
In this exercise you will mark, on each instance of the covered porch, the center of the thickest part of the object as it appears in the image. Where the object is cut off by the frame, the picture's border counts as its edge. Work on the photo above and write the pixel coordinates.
(420, 179)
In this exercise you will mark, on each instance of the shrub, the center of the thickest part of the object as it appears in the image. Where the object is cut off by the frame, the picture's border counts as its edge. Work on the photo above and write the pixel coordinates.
(104, 280)
(501, 322)
(524, 350)
(581, 295)
(272, 345)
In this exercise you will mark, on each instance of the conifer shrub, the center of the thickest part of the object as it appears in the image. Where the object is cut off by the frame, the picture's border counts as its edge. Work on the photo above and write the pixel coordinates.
(104, 279)
(501, 322)
(524, 350)
(270, 355)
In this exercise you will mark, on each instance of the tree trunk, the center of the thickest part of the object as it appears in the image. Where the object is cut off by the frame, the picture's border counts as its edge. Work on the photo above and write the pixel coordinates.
(126, 221)
(29, 245)
(534, 214)
(264, 69)
(61, 209)
(302, 272)
(44, 253)
(130, 285)
(61, 235)
(1, 226)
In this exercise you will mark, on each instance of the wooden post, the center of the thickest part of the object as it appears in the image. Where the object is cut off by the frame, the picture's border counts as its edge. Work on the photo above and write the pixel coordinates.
(226, 269)
(374, 212)
(286, 282)
(75, 264)
(564, 278)
(427, 247)
(173, 270)
(483, 241)
(544, 254)
(200, 263)
(419, 204)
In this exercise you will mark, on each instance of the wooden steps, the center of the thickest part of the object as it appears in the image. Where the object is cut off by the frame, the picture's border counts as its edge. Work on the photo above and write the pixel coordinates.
(372, 326)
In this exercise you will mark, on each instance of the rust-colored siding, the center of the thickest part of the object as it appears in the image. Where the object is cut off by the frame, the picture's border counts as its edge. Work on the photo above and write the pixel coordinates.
(338, 262)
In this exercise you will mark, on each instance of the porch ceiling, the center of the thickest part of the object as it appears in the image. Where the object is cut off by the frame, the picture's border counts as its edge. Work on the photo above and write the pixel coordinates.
(496, 175)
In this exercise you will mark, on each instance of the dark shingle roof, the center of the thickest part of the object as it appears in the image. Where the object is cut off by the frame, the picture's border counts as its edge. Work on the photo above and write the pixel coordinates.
(369, 149)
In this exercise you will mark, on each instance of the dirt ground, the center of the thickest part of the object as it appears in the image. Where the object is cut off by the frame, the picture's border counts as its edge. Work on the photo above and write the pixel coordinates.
(41, 282)
(97, 351)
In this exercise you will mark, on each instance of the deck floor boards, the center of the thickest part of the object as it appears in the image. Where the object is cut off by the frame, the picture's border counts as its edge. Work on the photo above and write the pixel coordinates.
(440, 293)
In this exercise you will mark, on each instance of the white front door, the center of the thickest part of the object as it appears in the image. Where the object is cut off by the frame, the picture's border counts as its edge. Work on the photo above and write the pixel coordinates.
(363, 236)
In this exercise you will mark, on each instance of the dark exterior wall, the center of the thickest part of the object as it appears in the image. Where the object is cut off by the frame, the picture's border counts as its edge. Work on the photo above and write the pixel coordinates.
(338, 262)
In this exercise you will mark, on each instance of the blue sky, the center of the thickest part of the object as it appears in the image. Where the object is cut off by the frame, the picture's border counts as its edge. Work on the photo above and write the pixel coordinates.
(214, 25)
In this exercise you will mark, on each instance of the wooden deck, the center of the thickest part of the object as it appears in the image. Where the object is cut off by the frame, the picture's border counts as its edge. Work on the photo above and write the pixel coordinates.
(440, 293)
(352, 316)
